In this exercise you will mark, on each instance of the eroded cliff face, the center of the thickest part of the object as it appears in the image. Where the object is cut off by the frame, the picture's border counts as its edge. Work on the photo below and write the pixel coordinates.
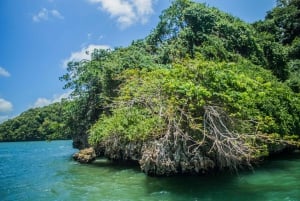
(174, 155)
(158, 157)
(161, 157)
(169, 157)
(182, 151)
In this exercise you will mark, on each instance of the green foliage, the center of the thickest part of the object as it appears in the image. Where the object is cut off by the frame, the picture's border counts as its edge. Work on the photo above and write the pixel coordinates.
(251, 93)
(195, 28)
(129, 119)
(94, 84)
(197, 56)
(293, 66)
(285, 19)
(46, 123)
(131, 124)
(280, 40)
(246, 92)
(294, 75)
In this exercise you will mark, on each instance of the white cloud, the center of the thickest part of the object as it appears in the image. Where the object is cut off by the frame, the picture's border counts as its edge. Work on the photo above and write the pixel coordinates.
(5, 106)
(127, 12)
(4, 72)
(3, 118)
(83, 54)
(58, 98)
(144, 9)
(56, 13)
(45, 14)
(41, 102)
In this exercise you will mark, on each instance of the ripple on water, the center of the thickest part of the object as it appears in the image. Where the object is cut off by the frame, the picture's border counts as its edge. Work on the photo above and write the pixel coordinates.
(45, 171)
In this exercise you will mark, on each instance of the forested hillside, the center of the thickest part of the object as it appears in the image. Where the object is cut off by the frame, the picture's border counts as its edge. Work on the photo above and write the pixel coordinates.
(203, 91)
(46, 123)
(280, 38)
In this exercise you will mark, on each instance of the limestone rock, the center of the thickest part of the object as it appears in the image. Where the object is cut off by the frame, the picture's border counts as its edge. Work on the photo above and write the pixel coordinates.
(87, 155)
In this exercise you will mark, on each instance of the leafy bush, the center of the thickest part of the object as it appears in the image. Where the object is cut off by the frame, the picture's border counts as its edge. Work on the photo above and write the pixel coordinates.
(247, 93)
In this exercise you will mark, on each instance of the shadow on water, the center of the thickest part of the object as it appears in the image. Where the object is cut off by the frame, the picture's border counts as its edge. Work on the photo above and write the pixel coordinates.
(116, 165)
(276, 161)
(275, 179)
(209, 187)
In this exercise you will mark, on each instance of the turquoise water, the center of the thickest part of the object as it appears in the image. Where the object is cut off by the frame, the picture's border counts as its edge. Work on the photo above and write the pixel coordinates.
(45, 171)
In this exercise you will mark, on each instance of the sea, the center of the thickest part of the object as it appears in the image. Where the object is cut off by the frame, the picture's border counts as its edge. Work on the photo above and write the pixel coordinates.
(45, 171)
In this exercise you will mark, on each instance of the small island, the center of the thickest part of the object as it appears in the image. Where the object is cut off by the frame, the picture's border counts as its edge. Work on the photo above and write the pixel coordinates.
(36, 124)
(204, 91)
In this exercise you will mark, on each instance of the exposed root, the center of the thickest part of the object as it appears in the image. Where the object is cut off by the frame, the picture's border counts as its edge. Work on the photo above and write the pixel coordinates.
(228, 147)
(163, 157)
(178, 152)
(185, 146)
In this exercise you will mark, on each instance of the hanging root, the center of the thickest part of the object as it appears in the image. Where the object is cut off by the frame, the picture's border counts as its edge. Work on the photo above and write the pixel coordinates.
(227, 146)
(186, 145)
(178, 152)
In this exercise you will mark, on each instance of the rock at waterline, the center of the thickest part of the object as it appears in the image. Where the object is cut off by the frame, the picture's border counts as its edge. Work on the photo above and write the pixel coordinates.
(87, 155)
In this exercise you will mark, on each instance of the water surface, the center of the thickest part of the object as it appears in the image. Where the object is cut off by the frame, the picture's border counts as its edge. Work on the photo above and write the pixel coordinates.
(45, 171)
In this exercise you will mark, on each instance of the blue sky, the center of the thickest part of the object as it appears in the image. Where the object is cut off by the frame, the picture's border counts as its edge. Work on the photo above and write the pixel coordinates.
(38, 37)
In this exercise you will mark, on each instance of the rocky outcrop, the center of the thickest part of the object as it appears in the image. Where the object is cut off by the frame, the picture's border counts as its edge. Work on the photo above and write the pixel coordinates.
(171, 155)
(276, 144)
(116, 149)
(87, 155)
(163, 157)
(158, 156)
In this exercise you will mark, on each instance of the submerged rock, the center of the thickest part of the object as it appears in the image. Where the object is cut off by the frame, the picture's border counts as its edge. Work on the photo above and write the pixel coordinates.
(87, 155)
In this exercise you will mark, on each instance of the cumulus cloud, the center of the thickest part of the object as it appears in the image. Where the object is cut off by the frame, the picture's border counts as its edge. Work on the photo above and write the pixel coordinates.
(44, 14)
(127, 12)
(5, 106)
(41, 102)
(4, 72)
(83, 54)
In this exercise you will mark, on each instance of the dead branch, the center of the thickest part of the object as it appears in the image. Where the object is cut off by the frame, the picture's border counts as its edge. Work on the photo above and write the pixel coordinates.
(228, 146)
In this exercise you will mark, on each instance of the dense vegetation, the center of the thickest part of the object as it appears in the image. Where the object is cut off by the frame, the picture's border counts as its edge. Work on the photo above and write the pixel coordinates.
(204, 90)
(280, 39)
(44, 123)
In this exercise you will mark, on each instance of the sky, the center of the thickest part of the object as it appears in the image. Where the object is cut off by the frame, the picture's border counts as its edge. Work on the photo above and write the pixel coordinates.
(39, 37)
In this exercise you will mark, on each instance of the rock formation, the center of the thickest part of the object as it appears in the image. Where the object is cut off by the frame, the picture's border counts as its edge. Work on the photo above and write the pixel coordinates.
(86, 155)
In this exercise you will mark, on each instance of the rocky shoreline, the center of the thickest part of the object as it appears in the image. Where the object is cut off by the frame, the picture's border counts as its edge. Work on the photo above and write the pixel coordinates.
(161, 157)
(86, 155)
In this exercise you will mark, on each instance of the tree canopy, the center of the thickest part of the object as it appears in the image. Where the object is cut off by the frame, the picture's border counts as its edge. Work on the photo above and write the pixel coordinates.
(203, 90)
(46, 123)
(203, 85)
